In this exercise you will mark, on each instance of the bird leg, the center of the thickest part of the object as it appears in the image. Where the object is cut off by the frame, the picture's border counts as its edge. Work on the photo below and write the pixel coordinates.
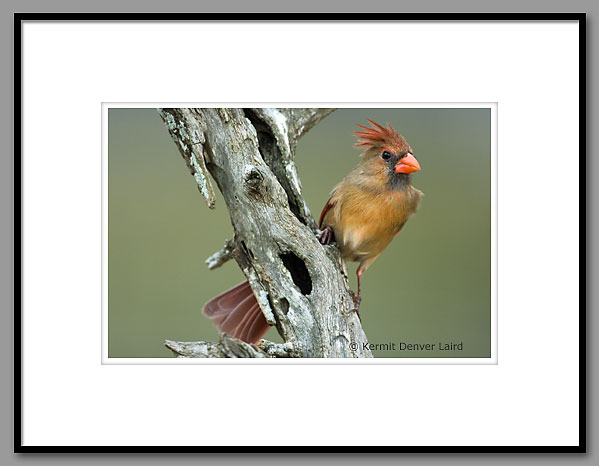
(357, 299)
(326, 236)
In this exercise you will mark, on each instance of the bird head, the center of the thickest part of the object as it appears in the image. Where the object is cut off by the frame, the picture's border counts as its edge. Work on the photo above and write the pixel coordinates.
(386, 152)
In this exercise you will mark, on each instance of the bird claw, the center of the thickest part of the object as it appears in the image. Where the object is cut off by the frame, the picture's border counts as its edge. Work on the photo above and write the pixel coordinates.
(326, 236)
(358, 313)
(357, 299)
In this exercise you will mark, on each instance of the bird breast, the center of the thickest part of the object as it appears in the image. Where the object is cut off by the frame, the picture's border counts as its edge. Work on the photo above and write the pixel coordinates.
(365, 222)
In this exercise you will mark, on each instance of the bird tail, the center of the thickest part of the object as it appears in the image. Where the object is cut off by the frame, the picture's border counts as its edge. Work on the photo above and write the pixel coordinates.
(237, 313)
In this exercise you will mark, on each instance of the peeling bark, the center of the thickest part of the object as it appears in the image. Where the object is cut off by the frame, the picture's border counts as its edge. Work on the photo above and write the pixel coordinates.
(301, 286)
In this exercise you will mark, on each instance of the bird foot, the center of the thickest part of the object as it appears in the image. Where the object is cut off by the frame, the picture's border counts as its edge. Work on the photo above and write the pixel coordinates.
(357, 299)
(326, 236)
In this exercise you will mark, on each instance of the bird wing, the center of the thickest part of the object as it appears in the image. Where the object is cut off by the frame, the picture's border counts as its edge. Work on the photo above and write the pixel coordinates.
(330, 203)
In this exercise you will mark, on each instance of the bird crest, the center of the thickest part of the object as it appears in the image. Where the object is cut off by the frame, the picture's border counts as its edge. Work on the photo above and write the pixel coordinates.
(378, 137)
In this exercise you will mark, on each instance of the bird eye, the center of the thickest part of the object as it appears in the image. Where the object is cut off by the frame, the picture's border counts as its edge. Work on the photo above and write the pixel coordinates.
(386, 155)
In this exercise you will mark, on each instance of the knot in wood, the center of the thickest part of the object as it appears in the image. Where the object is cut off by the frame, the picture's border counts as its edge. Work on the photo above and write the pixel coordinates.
(253, 179)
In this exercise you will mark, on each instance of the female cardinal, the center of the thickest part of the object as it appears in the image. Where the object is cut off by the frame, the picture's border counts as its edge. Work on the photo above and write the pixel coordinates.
(364, 213)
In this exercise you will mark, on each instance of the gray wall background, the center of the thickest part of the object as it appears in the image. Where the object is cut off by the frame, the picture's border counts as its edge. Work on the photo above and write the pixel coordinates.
(6, 227)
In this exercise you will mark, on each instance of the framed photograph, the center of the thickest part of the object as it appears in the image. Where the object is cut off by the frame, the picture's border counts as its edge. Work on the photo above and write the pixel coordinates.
(390, 223)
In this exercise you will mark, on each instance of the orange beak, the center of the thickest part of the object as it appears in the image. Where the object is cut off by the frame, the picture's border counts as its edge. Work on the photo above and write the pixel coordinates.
(407, 164)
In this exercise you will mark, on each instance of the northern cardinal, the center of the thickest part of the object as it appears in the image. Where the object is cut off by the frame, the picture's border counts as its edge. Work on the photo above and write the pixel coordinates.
(364, 213)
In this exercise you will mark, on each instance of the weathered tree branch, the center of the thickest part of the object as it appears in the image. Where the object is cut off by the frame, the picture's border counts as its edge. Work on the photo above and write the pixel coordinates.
(301, 286)
(220, 257)
(229, 347)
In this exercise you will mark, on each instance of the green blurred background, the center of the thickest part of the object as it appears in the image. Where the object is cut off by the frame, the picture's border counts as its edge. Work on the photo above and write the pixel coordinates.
(432, 284)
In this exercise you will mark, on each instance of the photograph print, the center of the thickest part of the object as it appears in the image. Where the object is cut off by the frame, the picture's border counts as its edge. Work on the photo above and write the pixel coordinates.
(347, 232)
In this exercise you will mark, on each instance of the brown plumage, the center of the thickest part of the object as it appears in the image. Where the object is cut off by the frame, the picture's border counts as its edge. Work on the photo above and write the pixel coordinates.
(364, 213)
(374, 201)
(237, 313)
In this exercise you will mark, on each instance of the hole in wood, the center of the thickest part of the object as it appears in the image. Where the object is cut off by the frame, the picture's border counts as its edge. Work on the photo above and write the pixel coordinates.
(299, 272)
(284, 306)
